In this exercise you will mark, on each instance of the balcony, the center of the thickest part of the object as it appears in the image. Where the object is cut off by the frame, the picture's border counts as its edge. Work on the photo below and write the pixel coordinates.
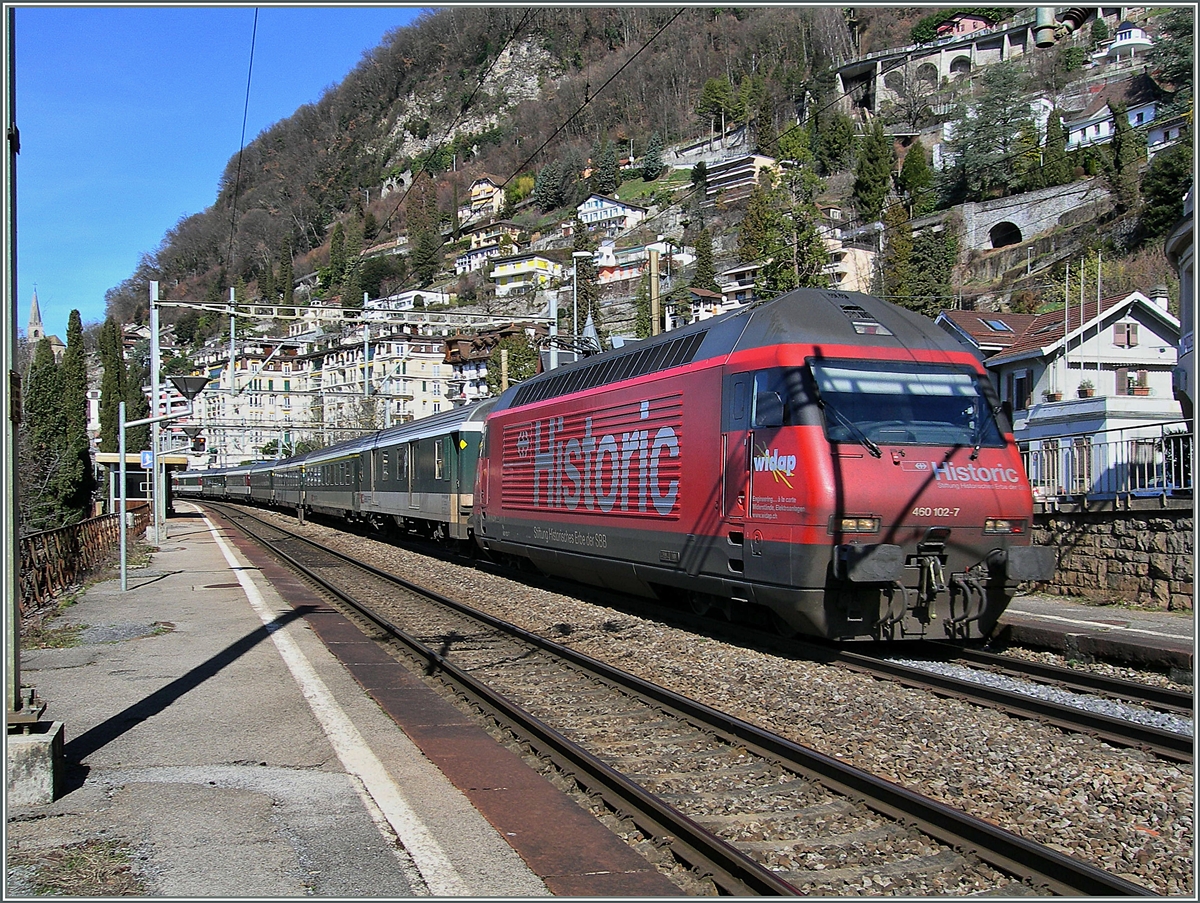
(1119, 466)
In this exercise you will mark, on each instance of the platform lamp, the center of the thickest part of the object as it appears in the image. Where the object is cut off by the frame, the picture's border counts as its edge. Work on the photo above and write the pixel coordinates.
(187, 386)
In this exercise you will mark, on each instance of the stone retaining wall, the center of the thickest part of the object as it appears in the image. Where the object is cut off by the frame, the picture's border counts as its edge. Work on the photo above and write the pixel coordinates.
(1143, 558)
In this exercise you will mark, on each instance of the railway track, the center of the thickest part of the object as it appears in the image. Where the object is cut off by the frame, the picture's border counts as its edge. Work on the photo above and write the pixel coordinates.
(1170, 745)
(753, 812)
(1166, 744)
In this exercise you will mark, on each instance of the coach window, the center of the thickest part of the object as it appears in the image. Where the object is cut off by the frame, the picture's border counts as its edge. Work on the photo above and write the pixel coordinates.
(439, 463)
(383, 477)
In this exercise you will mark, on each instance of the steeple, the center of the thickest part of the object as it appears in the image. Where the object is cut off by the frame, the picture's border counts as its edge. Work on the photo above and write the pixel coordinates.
(36, 331)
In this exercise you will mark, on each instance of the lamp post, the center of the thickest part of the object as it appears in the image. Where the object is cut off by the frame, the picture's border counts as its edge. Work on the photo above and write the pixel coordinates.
(576, 256)
(189, 387)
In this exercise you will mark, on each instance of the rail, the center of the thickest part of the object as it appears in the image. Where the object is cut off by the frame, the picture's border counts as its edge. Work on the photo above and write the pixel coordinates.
(1146, 462)
(54, 559)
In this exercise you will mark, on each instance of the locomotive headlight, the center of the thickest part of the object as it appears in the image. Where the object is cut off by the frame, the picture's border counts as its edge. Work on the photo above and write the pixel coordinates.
(856, 525)
(1005, 525)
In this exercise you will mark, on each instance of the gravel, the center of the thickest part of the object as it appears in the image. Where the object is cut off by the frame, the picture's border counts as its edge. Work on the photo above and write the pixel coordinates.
(1095, 704)
(1122, 810)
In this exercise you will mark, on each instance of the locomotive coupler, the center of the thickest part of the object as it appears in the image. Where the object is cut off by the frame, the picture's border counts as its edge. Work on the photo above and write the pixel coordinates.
(930, 582)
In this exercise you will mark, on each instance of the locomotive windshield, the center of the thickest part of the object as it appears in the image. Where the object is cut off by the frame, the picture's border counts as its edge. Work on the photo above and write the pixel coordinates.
(871, 402)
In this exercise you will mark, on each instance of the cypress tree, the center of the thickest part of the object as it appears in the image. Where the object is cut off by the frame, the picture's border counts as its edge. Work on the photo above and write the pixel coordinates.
(112, 385)
(705, 275)
(916, 180)
(286, 275)
(77, 482)
(1057, 169)
(137, 405)
(896, 268)
(337, 255)
(42, 449)
(1125, 150)
(588, 285)
(873, 175)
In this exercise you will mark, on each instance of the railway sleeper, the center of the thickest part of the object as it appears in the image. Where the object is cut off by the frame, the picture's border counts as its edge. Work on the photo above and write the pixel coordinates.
(895, 875)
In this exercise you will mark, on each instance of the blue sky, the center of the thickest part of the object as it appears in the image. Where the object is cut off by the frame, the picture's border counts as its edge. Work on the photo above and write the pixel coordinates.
(128, 116)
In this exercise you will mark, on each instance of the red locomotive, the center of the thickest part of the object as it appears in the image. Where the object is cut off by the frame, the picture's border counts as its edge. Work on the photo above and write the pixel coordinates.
(826, 457)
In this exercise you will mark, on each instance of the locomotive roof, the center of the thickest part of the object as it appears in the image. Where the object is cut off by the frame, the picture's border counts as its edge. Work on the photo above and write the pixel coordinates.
(804, 316)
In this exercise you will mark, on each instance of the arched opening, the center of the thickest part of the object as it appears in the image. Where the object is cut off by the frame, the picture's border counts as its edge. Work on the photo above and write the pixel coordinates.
(1004, 234)
(927, 72)
(960, 67)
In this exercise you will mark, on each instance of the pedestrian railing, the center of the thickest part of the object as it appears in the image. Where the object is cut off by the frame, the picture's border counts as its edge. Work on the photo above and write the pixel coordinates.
(52, 560)
(1112, 464)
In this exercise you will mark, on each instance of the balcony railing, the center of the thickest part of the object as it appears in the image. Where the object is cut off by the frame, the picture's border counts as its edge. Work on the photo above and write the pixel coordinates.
(1112, 464)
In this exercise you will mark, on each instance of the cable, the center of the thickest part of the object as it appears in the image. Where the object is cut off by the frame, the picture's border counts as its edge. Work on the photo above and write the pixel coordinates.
(245, 115)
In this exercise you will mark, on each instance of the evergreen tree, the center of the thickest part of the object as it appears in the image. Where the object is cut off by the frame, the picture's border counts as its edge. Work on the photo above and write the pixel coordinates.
(523, 361)
(587, 280)
(112, 384)
(716, 100)
(652, 162)
(1124, 152)
(1028, 159)
(705, 275)
(757, 226)
(834, 143)
(896, 265)
(286, 275)
(352, 290)
(1173, 53)
(547, 189)
(985, 137)
(916, 180)
(337, 255)
(77, 481)
(266, 285)
(43, 451)
(1167, 180)
(424, 230)
(1057, 169)
(137, 405)
(606, 172)
(933, 258)
(643, 315)
(873, 175)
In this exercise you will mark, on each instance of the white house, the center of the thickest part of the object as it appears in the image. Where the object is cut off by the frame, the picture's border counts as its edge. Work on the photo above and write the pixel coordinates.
(409, 299)
(599, 211)
(1094, 125)
(1091, 367)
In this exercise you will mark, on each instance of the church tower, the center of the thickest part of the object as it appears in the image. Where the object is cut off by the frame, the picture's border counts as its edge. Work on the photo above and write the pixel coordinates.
(36, 331)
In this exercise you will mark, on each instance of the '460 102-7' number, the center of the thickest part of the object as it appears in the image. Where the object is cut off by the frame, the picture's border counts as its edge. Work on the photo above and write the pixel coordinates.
(935, 512)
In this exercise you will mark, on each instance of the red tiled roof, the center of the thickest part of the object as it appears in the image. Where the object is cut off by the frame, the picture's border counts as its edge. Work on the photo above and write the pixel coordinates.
(1047, 329)
(974, 324)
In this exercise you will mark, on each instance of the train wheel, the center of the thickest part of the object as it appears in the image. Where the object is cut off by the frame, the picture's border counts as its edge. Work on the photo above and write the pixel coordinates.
(699, 603)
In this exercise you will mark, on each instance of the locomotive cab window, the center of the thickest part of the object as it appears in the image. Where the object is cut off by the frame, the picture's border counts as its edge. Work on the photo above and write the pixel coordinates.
(783, 396)
(869, 402)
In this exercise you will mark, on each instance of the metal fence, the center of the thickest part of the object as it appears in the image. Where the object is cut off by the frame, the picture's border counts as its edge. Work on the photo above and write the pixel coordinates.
(1143, 462)
(54, 559)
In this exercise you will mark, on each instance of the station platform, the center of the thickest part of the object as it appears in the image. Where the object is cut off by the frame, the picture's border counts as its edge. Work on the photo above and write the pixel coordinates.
(1164, 641)
(224, 739)
(230, 741)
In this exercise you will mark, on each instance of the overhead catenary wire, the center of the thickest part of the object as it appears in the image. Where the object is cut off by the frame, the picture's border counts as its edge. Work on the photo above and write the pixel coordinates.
(242, 144)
